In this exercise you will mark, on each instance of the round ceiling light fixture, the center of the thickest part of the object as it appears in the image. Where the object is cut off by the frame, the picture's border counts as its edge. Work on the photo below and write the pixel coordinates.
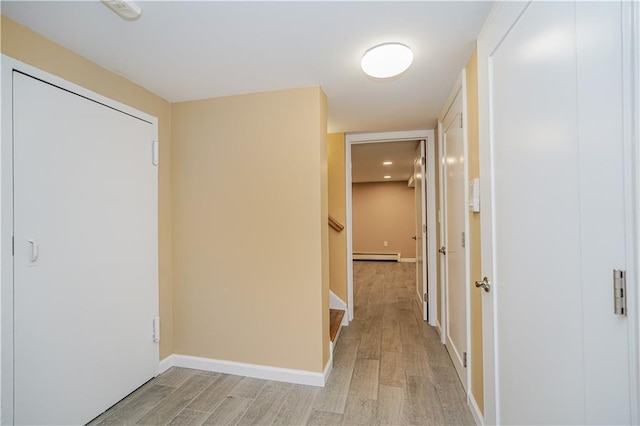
(386, 60)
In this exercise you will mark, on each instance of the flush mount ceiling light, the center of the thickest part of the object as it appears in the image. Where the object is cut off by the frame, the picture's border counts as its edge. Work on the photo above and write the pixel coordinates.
(386, 60)
(387, 177)
(387, 163)
(126, 9)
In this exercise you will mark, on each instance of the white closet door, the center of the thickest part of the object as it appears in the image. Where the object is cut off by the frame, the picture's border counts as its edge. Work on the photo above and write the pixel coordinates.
(85, 209)
(556, 95)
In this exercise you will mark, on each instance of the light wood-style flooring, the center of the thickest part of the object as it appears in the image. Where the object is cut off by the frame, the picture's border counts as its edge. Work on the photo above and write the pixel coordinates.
(389, 369)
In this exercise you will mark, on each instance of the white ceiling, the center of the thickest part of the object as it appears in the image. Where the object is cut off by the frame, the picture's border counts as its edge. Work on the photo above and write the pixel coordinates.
(367, 159)
(183, 50)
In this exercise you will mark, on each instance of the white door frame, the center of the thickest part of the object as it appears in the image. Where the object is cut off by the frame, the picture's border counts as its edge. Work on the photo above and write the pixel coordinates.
(6, 211)
(460, 87)
(360, 138)
(498, 24)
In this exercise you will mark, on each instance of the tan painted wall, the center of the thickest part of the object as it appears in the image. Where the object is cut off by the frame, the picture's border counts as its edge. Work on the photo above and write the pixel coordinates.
(474, 233)
(250, 233)
(338, 210)
(384, 212)
(26, 46)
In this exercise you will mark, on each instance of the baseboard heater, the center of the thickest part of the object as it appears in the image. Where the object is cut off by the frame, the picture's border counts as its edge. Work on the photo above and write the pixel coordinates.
(392, 257)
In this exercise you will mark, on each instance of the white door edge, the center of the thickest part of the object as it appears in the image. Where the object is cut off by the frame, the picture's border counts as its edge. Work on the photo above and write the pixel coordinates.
(8, 66)
(432, 249)
(631, 78)
(443, 238)
(360, 138)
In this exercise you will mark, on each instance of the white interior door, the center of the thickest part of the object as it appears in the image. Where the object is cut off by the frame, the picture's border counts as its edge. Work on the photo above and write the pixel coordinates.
(455, 256)
(556, 229)
(419, 177)
(85, 264)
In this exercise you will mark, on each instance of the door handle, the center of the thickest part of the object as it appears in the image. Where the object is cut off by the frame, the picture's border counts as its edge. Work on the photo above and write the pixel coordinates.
(414, 237)
(484, 284)
(34, 251)
(443, 250)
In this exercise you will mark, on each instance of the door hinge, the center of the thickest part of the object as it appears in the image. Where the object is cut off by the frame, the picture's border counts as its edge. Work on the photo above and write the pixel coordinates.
(424, 229)
(424, 297)
(423, 161)
(463, 240)
(155, 153)
(464, 359)
(156, 329)
(619, 292)
(461, 120)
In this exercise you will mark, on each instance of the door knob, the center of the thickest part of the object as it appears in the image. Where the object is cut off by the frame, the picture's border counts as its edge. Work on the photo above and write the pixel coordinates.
(414, 238)
(443, 250)
(484, 284)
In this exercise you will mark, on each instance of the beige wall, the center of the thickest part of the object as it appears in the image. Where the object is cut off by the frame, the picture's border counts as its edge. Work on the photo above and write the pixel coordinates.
(474, 233)
(25, 45)
(338, 210)
(250, 234)
(384, 211)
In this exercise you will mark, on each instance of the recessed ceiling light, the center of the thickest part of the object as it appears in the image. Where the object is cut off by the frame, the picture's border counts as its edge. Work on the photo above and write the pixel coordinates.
(387, 163)
(387, 177)
(386, 60)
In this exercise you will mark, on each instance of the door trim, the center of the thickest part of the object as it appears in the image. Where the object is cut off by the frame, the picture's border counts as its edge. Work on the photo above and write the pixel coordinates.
(8, 66)
(460, 87)
(360, 138)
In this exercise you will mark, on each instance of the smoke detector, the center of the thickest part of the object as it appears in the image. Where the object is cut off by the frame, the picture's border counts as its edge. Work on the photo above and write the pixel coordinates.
(126, 9)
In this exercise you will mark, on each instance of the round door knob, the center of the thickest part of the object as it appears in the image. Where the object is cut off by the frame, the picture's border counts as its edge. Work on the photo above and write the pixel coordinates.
(443, 250)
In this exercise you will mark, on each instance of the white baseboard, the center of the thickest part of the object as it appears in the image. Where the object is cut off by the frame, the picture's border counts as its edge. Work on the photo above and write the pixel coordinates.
(335, 302)
(475, 410)
(165, 364)
(249, 370)
(408, 259)
(438, 328)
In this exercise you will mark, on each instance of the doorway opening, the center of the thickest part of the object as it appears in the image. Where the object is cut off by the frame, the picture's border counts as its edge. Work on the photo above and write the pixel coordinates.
(427, 285)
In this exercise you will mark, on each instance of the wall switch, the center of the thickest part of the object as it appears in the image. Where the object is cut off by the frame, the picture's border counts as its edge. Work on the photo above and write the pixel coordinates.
(386, 243)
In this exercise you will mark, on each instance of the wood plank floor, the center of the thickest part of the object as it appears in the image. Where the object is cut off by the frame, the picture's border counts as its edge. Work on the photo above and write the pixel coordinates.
(389, 369)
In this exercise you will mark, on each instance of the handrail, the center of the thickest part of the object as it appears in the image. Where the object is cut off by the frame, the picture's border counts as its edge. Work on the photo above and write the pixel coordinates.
(335, 224)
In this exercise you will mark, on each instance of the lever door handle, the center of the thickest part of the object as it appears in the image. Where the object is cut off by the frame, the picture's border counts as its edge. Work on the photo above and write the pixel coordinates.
(484, 284)
(443, 250)
(414, 237)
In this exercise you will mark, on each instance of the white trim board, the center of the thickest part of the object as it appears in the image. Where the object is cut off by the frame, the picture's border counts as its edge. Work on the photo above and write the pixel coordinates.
(277, 374)
(358, 138)
(475, 410)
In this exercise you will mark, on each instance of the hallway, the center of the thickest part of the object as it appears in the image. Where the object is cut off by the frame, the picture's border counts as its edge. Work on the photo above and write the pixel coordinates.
(389, 369)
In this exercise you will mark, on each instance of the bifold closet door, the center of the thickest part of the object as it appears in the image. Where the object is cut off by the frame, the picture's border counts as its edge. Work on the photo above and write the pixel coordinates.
(85, 264)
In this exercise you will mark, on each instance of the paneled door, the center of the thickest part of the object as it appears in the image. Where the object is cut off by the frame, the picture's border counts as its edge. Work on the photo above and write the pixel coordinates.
(554, 141)
(454, 252)
(85, 264)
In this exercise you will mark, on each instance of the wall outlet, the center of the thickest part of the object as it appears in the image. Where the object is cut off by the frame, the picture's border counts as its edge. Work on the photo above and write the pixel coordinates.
(386, 243)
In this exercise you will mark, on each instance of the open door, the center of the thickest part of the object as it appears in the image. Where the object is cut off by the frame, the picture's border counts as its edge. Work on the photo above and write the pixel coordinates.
(421, 229)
